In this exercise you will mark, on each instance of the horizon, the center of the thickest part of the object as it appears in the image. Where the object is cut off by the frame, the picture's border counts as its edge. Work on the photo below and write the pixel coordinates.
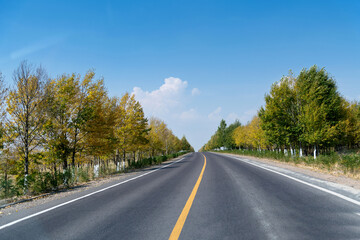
(189, 64)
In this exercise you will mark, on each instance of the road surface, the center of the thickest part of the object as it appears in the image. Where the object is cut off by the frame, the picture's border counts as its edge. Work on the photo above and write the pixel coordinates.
(217, 197)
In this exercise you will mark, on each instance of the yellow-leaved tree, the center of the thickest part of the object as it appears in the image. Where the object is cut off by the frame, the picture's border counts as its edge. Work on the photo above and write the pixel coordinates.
(26, 108)
(131, 127)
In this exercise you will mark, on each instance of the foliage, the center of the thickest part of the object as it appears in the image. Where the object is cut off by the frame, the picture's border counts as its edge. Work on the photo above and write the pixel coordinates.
(349, 162)
(302, 117)
(49, 123)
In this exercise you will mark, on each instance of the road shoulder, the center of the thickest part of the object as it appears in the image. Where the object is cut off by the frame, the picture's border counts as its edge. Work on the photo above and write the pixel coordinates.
(341, 184)
(37, 201)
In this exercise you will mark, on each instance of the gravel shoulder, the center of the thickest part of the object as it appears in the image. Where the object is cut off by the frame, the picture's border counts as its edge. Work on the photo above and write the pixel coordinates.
(320, 173)
(85, 187)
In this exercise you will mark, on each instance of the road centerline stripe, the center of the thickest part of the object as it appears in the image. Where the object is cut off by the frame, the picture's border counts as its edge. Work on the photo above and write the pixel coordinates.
(87, 195)
(182, 218)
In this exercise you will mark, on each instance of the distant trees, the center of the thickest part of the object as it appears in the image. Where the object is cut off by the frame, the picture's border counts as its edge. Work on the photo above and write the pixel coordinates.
(223, 137)
(163, 141)
(301, 114)
(185, 145)
(48, 124)
(229, 141)
(131, 129)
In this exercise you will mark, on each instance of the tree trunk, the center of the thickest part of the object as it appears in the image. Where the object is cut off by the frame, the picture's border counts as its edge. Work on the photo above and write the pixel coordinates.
(117, 160)
(74, 148)
(124, 158)
(65, 163)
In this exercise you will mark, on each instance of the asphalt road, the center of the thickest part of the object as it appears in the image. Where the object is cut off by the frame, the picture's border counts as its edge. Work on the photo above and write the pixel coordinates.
(235, 200)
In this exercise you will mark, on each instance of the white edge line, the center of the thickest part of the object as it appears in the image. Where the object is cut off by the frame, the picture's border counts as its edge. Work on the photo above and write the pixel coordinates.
(303, 182)
(87, 195)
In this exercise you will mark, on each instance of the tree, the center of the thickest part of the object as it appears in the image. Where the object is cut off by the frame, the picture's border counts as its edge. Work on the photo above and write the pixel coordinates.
(4, 160)
(155, 142)
(350, 126)
(60, 113)
(25, 105)
(321, 108)
(83, 111)
(255, 134)
(131, 128)
(185, 145)
(279, 118)
(229, 142)
(163, 141)
(100, 127)
(3, 96)
(221, 132)
(250, 136)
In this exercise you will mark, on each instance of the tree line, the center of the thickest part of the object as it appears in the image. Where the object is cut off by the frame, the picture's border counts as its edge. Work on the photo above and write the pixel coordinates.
(51, 128)
(303, 115)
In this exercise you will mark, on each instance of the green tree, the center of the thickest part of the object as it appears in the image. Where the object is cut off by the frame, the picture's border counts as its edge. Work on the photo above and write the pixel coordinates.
(221, 132)
(185, 145)
(350, 126)
(229, 141)
(279, 118)
(321, 108)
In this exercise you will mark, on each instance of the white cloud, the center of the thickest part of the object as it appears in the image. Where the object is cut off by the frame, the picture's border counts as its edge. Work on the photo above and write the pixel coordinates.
(46, 43)
(195, 91)
(191, 114)
(215, 115)
(164, 99)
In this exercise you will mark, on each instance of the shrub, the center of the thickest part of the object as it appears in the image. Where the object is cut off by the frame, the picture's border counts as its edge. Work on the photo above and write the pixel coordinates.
(7, 188)
(83, 174)
(351, 162)
(328, 160)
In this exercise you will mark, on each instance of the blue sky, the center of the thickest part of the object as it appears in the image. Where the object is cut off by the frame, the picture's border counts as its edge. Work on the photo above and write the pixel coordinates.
(189, 63)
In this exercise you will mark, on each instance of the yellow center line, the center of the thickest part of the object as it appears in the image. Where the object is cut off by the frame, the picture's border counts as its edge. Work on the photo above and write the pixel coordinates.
(182, 218)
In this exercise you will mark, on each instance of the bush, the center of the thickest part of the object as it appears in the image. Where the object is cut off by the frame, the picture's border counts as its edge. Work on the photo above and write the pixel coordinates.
(351, 162)
(160, 159)
(328, 160)
(154, 160)
(83, 174)
(7, 188)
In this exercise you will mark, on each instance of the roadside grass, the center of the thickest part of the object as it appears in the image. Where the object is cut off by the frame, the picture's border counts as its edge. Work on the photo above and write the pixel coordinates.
(347, 162)
(154, 160)
(11, 188)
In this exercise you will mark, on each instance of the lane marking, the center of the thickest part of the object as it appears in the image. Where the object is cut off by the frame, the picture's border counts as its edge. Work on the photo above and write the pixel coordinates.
(182, 218)
(301, 181)
(87, 195)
